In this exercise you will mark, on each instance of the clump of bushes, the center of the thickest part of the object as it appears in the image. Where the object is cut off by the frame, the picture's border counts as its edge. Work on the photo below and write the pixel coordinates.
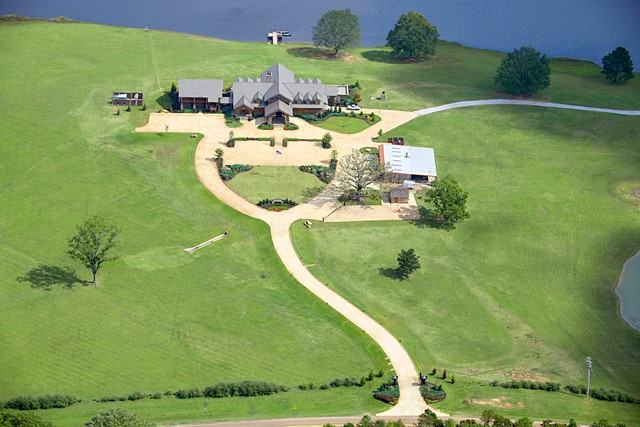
(244, 389)
(432, 393)
(228, 172)
(27, 403)
(136, 395)
(602, 394)
(323, 173)
(387, 393)
(529, 385)
(268, 202)
(112, 399)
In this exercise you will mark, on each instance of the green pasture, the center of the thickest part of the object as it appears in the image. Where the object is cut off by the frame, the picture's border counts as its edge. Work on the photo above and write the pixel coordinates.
(525, 284)
(171, 411)
(343, 124)
(160, 318)
(525, 287)
(285, 182)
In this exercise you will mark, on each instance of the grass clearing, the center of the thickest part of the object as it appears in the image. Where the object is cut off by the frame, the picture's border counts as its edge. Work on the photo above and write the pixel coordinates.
(286, 182)
(343, 124)
(525, 286)
(160, 320)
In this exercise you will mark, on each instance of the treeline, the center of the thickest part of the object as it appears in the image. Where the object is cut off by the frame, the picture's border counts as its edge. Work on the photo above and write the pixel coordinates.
(529, 385)
(489, 418)
(244, 389)
(598, 393)
(27, 403)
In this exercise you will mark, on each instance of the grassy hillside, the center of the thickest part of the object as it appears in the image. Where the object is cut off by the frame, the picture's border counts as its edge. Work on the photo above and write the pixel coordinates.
(524, 288)
(161, 319)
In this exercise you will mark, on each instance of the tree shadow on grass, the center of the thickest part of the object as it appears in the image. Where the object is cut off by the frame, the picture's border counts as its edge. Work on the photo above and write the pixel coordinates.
(311, 192)
(391, 273)
(387, 57)
(315, 53)
(45, 276)
(428, 219)
(165, 101)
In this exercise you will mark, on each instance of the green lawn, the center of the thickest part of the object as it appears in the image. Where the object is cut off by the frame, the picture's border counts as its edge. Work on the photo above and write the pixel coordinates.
(525, 286)
(343, 124)
(171, 411)
(160, 318)
(286, 182)
(545, 216)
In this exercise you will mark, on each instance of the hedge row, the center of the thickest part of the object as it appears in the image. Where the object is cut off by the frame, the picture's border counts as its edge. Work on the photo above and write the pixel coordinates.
(230, 171)
(323, 173)
(26, 403)
(529, 385)
(250, 138)
(602, 394)
(244, 388)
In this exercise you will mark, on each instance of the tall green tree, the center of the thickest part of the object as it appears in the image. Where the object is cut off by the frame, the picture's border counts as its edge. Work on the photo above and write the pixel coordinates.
(117, 417)
(524, 71)
(22, 419)
(408, 262)
(356, 172)
(337, 29)
(617, 66)
(449, 201)
(93, 241)
(413, 36)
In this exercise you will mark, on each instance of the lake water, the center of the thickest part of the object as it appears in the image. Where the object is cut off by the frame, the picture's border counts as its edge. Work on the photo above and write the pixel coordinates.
(577, 28)
(628, 291)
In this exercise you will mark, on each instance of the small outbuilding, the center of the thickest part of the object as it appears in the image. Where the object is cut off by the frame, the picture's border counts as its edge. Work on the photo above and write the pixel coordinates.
(128, 99)
(399, 195)
(408, 163)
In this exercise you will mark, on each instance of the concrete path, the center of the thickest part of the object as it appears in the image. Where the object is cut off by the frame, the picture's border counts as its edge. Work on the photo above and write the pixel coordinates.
(522, 102)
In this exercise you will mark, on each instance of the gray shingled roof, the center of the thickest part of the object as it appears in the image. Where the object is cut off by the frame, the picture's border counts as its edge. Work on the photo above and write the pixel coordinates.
(283, 84)
(399, 192)
(278, 106)
(243, 101)
(200, 88)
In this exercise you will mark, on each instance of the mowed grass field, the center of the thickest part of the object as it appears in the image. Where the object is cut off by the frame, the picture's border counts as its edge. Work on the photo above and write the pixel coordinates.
(525, 287)
(286, 182)
(161, 319)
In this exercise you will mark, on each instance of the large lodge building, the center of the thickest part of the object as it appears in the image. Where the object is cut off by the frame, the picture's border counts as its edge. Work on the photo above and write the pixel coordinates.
(276, 94)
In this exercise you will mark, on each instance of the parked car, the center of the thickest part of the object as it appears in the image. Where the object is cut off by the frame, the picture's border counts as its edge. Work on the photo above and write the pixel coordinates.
(354, 107)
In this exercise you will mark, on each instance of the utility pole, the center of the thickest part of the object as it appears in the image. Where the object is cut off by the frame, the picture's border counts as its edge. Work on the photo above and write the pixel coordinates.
(589, 362)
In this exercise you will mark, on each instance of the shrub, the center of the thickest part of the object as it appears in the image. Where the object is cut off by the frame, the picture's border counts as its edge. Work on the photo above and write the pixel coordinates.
(136, 395)
(118, 112)
(265, 126)
(453, 379)
(434, 371)
(188, 394)
(155, 396)
(370, 376)
(363, 381)
(272, 142)
(144, 107)
(444, 374)
(230, 171)
(529, 385)
(128, 108)
(48, 401)
(112, 399)
(284, 142)
(323, 173)
(231, 143)
(245, 389)
(387, 393)
(380, 373)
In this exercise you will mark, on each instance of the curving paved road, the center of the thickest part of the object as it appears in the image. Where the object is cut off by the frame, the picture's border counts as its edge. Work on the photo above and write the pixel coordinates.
(410, 403)
(462, 104)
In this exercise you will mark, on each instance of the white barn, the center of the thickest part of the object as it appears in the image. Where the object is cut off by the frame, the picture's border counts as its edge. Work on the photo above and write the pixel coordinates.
(409, 163)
